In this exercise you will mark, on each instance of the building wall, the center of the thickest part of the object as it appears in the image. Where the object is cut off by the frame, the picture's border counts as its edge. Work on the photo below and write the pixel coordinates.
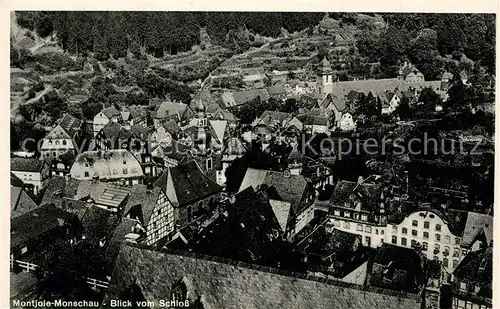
(100, 120)
(404, 234)
(438, 241)
(162, 220)
(37, 179)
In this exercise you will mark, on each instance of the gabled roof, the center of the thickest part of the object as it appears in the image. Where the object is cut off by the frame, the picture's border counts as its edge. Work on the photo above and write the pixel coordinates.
(290, 189)
(219, 127)
(477, 268)
(475, 224)
(281, 210)
(221, 283)
(115, 131)
(316, 120)
(31, 225)
(71, 125)
(349, 193)
(111, 112)
(146, 198)
(15, 181)
(26, 165)
(20, 202)
(339, 103)
(171, 108)
(185, 184)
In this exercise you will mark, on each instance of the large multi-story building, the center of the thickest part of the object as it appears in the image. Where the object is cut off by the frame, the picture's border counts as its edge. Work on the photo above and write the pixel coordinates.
(445, 236)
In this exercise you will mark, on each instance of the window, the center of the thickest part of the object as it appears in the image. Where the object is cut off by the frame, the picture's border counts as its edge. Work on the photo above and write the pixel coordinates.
(376, 231)
(368, 229)
(125, 171)
(57, 142)
(438, 227)
(159, 211)
(455, 263)
(336, 223)
(463, 286)
(414, 233)
(368, 241)
(394, 229)
(394, 240)
(414, 223)
(437, 247)
(426, 235)
(457, 240)
(364, 217)
(86, 174)
(456, 252)
(425, 246)
(124, 161)
(438, 237)
(356, 216)
(24, 250)
(336, 212)
(347, 225)
(347, 214)
(381, 232)
(403, 241)
(426, 224)
(209, 163)
(359, 227)
(413, 243)
(445, 262)
(447, 239)
(64, 142)
(405, 230)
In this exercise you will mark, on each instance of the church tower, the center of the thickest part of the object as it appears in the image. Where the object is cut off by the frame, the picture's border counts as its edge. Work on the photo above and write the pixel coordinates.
(325, 78)
(201, 124)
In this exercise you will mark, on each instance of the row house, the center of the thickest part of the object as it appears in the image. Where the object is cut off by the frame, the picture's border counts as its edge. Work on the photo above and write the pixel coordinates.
(64, 137)
(33, 173)
(134, 116)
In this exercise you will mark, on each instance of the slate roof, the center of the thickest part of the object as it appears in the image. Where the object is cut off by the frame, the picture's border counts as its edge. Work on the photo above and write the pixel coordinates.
(115, 131)
(379, 86)
(111, 112)
(219, 283)
(20, 201)
(15, 181)
(172, 127)
(171, 108)
(185, 184)
(339, 103)
(26, 165)
(475, 224)
(141, 196)
(32, 224)
(276, 90)
(348, 193)
(315, 120)
(477, 268)
(70, 124)
(240, 97)
(291, 189)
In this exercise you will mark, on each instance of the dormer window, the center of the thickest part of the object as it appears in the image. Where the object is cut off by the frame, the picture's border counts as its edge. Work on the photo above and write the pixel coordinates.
(463, 286)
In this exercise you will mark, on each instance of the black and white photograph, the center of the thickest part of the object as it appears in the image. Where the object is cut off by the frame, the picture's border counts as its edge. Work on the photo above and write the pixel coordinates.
(251, 160)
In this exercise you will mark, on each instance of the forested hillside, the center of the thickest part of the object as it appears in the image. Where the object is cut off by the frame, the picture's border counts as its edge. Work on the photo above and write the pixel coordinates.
(156, 32)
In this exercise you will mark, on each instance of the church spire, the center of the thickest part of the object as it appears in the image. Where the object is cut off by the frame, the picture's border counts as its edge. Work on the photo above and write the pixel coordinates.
(201, 124)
